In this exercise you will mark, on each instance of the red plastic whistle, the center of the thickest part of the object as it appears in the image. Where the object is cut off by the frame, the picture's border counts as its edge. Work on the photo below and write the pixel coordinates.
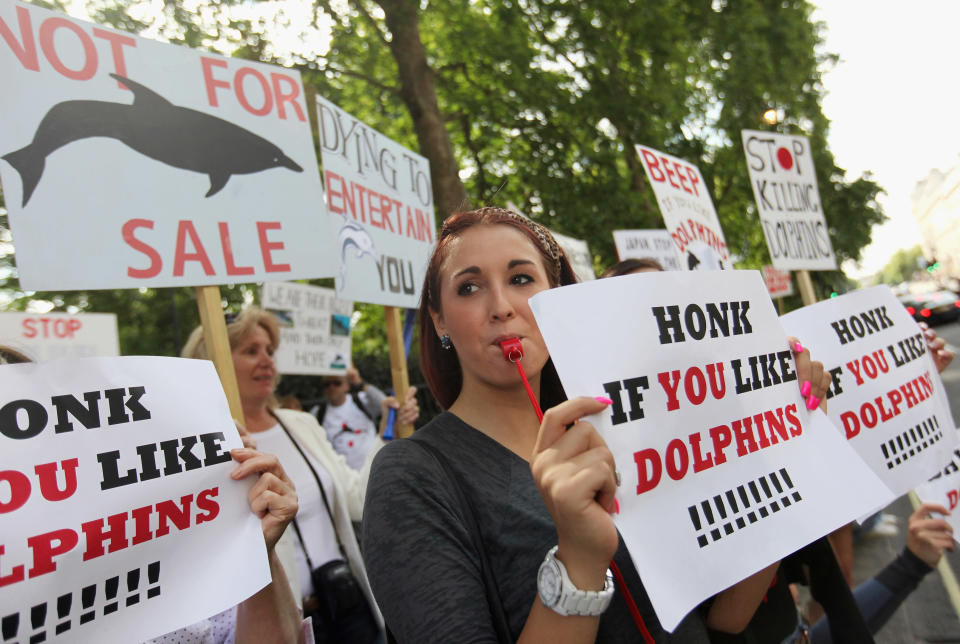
(512, 349)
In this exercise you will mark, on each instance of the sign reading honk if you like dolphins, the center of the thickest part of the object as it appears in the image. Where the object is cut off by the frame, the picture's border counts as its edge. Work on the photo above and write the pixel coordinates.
(709, 429)
(128, 162)
(886, 396)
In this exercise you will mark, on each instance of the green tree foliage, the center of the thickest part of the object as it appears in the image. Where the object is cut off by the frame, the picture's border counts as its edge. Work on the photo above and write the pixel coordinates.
(902, 266)
(541, 103)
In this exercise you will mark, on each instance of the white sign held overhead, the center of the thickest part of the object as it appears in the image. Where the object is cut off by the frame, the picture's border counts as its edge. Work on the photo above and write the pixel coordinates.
(132, 163)
(944, 488)
(687, 210)
(734, 467)
(788, 201)
(314, 328)
(50, 336)
(779, 283)
(380, 203)
(579, 255)
(122, 521)
(886, 397)
(648, 244)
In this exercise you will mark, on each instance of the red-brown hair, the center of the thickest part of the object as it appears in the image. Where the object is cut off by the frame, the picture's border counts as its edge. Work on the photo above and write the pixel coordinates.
(440, 366)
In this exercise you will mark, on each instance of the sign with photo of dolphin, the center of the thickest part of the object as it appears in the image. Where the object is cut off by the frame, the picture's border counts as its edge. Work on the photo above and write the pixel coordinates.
(380, 203)
(132, 163)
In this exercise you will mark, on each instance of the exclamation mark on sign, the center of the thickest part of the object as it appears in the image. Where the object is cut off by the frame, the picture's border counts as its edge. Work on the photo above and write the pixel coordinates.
(908, 444)
(786, 478)
(732, 500)
(38, 615)
(9, 625)
(111, 588)
(133, 581)
(718, 501)
(63, 612)
(87, 595)
(708, 514)
(153, 577)
(742, 491)
(893, 452)
(695, 518)
(784, 500)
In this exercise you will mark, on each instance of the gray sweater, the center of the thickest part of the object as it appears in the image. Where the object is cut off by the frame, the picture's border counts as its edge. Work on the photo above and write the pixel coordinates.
(420, 558)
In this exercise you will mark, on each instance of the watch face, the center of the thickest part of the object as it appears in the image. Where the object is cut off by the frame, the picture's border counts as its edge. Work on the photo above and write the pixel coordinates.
(548, 584)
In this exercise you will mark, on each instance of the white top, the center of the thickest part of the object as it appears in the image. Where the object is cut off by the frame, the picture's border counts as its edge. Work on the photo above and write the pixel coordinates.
(312, 517)
(351, 432)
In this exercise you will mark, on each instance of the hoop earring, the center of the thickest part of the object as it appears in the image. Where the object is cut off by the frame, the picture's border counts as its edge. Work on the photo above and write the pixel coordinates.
(445, 342)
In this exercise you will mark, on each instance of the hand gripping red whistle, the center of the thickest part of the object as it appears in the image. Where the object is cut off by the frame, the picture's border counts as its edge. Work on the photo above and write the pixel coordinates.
(513, 352)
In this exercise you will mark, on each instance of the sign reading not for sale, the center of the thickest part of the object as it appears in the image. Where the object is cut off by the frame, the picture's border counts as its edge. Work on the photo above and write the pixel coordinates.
(687, 210)
(128, 162)
(381, 210)
(709, 430)
(116, 491)
(788, 200)
(886, 396)
(314, 328)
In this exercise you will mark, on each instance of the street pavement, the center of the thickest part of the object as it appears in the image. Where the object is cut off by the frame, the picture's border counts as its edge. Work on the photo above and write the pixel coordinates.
(927, 615)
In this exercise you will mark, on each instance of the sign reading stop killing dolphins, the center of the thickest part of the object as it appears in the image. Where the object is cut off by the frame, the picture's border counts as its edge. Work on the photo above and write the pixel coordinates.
(129, 163)
(687, 210)
(886, 396)
(788, 200)
(381, 210)
(708, 429)
(118, 519)
(49, 336)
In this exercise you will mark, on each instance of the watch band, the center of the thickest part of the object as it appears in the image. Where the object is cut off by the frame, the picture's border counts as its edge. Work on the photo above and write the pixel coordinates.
(558, 593)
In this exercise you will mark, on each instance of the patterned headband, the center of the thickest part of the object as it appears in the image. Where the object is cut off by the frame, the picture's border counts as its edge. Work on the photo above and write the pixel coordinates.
(548, 244)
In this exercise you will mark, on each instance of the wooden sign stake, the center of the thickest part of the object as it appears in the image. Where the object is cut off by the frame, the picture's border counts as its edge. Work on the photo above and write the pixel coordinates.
(218, 345)
(805, 284)
(398, 362)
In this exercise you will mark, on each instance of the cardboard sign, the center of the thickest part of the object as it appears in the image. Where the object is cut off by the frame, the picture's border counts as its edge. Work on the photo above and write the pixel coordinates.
(131, 163)
(707, 427)
(886, 396)
(687, 210)
(652, 244)
(118, 514)
(50, 336)
(579, 255)
(944, 488)
(381, 210)
(788, 201)
(314, 328)
(778, 282)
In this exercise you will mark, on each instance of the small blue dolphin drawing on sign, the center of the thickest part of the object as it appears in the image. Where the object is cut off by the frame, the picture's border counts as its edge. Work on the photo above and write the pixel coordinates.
(177, 136)
(353, 236)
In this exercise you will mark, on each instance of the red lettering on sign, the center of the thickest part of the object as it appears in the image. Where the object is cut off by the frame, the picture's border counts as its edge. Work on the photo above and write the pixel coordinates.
(232, 268)
(267, 247)
(117, 43)
(207, 65)
(26, 53)
(239, 86)
(289, 96)
(156, 262)
(181, 256)
(47, 30)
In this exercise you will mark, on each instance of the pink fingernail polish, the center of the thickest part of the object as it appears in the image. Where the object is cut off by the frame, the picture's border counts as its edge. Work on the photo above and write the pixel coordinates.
(603, 399)
(812, 402)
(798, 348)
(805, 389)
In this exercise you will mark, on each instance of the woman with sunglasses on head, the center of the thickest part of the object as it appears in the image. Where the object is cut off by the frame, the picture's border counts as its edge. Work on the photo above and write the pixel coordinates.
(328, 572)
(488, 525)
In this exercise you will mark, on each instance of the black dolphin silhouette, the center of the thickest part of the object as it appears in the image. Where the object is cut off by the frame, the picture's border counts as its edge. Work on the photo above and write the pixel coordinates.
(692, 261)
(153, 126)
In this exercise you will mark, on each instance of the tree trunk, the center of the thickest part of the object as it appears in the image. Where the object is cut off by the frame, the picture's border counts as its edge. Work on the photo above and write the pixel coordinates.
(419, 92)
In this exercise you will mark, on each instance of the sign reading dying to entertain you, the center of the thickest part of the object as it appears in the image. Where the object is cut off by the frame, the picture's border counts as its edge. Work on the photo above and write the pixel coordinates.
(118, 514)
(648, 244)
(886, 396)
(381, 210)
(687, 210)
(788, 201)
(314, 328)
(48, 336)
(130, 163)
(708, 429)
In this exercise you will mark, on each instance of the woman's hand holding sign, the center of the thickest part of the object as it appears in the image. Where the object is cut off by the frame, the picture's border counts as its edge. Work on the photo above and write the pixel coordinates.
(273, 497)
(813, 378)
(575, 473)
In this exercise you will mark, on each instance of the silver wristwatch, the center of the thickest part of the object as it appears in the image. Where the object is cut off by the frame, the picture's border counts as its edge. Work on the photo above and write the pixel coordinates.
(559, 594)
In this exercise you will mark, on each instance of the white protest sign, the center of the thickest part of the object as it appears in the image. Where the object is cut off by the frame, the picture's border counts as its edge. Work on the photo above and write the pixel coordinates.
(314, 328)
(886, 396)
(196, 170)
(708, 427)
(687, 210)
(778, 282)
(648, 244)
(380, 204)
(579, 255)
(788, 201)
(49, 336)
(944, 489)
(121, 516)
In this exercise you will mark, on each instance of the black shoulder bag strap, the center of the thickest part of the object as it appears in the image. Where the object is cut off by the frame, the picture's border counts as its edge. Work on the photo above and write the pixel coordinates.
(470, 522)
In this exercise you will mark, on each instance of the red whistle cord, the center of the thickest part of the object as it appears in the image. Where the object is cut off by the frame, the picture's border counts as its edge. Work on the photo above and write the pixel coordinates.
(513, 351)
